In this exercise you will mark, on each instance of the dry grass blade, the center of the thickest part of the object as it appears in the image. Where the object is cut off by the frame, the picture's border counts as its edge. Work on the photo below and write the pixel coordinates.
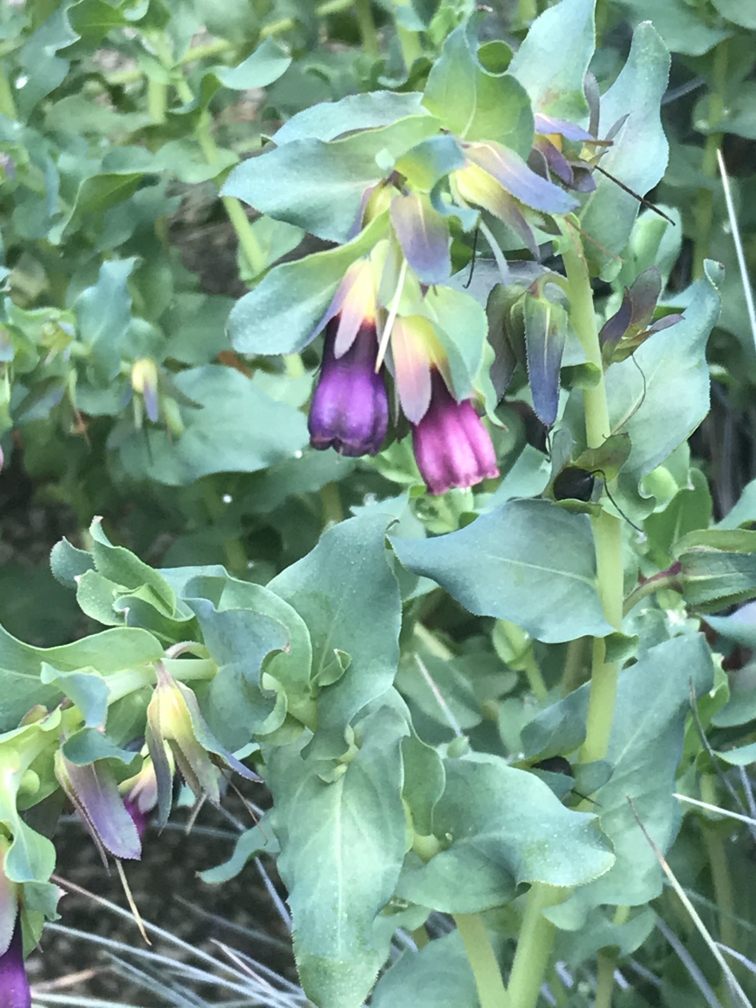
(715, 808)
(690, 964)
(735, 989)
(130, 899)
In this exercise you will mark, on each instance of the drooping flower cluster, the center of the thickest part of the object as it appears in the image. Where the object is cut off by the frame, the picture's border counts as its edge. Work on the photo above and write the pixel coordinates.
(379, 325)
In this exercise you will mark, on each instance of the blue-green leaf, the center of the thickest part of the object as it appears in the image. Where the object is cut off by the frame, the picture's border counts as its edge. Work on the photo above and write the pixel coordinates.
(507, 564)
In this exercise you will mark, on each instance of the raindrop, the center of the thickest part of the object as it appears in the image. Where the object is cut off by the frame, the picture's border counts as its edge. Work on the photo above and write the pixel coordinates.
(298, 454)
(227, 498)
(22, 80)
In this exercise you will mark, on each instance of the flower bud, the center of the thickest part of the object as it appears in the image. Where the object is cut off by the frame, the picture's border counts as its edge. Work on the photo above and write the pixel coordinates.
(452, 447)
(174, 719)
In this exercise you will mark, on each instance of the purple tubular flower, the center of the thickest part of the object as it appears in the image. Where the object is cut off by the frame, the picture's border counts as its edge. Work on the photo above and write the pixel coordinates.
(452, 447)
(14, 986)
(349, 409)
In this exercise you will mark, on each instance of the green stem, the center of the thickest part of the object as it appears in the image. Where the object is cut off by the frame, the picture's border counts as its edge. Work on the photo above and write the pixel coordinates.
(330, 499)
(527, 10)
(666, 579)
(409, 41)
(573, 665)
(607, 529)
(534, 946)
(704, 213)
(7, 102)
(491, 990)
(294, 365)
(368, 34)
(157, 101)
(247, 239)
(605, 980)
(724, 893)
(535, 679)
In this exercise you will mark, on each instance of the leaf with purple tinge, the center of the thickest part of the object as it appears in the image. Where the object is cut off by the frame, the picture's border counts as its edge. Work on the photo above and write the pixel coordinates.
(522, 182)
(548, 124)
(411, 365)
(423, 235)
(545, 333)
(631, 324)
(93, 791)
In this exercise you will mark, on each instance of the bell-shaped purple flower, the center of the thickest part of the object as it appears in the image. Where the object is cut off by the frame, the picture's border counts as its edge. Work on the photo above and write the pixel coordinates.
(452, 447)
(14, 985)
(349, 409)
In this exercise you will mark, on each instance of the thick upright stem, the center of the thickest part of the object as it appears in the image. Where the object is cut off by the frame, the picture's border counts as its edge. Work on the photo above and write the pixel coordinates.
(534, 946)
(607, 530)
(705, 198)
(491, 990)
(604, 980)
(716, 851)
(7, 102)
(369, 35)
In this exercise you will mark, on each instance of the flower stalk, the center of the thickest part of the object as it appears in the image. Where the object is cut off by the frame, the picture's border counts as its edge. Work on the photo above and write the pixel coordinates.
(607, 529)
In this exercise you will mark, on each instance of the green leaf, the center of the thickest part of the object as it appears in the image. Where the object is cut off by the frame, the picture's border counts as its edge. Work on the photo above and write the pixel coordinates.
(718, 567)
(680, 25)
(503, 827)
(645, 747)
(89, 744)
(235, 707)
(266, 64)
(85, 689)
(600, 932)
(424, 782)
(430, 161)
(342, 846)
(553, 59)
(638, 155)
(43, 70)
(320, 186)
(250, 843)
(121, 566)
(347, 595)
(21, 664)
(291, 667)
(328, 120)
(281, 314)
(689, 509)
(473, 103)
(437, 976)
(186, 160)
(93, 19)
(504, 564)
(103, 312)
(236, 429)
(740, 12)
(68, 563)
(661, 409)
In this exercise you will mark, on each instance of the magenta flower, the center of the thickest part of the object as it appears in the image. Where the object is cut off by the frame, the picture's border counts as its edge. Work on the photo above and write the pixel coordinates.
(349, 409)
(452, 447)
(14, 985)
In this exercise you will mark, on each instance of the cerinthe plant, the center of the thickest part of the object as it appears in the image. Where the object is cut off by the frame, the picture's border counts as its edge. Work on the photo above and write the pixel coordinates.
(449, 654)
